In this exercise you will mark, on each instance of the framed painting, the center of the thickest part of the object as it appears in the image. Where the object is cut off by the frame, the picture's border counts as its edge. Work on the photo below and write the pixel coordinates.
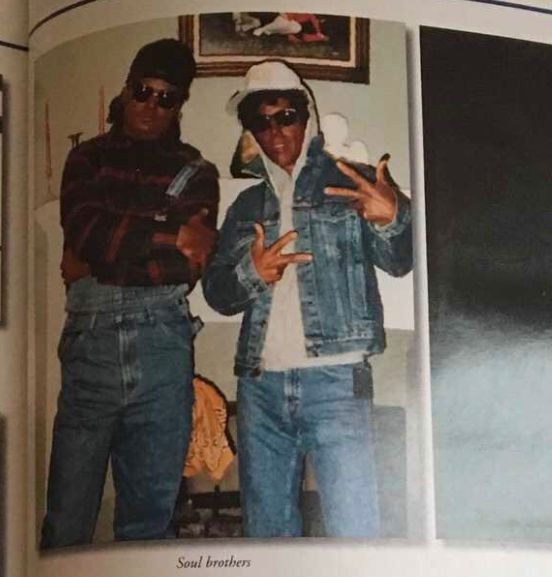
(321, 47)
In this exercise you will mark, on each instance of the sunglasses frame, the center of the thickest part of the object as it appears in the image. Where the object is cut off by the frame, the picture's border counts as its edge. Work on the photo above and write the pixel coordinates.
(141, 92)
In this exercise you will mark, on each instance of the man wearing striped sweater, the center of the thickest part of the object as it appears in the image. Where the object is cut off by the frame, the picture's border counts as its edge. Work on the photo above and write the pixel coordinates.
(138, 211)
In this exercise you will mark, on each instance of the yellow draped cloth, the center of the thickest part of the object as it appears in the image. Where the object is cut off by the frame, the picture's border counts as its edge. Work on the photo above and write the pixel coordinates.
(209, 446)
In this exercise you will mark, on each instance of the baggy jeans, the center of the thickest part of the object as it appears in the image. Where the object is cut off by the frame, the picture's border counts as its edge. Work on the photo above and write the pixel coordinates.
(322, 413)
(126, 395)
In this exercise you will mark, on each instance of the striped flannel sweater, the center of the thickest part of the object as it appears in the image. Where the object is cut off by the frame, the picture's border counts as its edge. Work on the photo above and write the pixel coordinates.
(114, 200)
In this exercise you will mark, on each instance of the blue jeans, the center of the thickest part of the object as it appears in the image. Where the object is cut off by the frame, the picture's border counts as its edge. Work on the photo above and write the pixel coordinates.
(322, 413)
(127, 395)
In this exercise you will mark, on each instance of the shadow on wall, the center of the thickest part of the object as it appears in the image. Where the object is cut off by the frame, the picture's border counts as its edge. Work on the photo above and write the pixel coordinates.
(4, 145)
(41, 351)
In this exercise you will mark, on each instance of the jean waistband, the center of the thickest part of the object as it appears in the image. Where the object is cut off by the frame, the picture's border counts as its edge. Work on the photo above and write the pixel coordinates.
(89, 296)
(160, 313)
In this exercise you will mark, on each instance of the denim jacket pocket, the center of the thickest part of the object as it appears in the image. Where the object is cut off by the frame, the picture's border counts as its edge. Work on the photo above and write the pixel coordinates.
(245, 231)
(340, 270)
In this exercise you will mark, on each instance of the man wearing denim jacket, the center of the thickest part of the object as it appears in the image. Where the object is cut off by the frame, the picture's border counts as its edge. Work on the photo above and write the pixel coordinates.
(296, 255)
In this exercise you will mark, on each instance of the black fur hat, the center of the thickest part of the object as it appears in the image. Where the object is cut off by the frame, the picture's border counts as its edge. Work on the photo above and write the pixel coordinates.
(168, 59)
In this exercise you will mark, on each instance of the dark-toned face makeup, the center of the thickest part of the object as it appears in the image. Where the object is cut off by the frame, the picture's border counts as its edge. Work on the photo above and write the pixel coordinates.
(151, 107)
(280, 133)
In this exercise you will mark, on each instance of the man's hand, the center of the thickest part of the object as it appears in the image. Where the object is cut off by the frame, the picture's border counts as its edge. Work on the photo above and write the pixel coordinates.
(269, 262)
(374, 201)
(196, 241)
(72, 267)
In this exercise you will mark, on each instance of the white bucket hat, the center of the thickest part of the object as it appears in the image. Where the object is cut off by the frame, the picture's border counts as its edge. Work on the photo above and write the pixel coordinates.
(267, 75)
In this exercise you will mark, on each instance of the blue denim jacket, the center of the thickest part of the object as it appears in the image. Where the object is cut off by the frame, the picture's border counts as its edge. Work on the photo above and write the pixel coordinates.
(340, 301)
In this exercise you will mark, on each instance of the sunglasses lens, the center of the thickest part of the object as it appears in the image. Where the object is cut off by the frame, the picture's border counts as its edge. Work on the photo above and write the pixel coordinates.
(141, 93)
(262, 122)
(166, 100)
(259, 123)
(287, 117)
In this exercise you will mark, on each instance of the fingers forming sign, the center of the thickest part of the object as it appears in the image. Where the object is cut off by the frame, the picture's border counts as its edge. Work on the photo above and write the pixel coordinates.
(196, 241)
(269, 261)
(374, 201)
(72, 267)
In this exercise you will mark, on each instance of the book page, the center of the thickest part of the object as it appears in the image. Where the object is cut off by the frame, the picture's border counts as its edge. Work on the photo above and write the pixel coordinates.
(13, 282)
(427, 555)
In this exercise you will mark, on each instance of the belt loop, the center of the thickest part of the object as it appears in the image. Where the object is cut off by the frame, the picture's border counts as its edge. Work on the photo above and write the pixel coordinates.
(149, 316)
(196, 323)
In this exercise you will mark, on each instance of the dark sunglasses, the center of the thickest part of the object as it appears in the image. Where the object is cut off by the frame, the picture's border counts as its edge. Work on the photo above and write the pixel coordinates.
(166, 99)
(262, 122)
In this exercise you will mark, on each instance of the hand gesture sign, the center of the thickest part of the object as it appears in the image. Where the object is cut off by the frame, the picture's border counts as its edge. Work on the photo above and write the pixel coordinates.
(374, 201)
(196, 241)
(270, 262)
